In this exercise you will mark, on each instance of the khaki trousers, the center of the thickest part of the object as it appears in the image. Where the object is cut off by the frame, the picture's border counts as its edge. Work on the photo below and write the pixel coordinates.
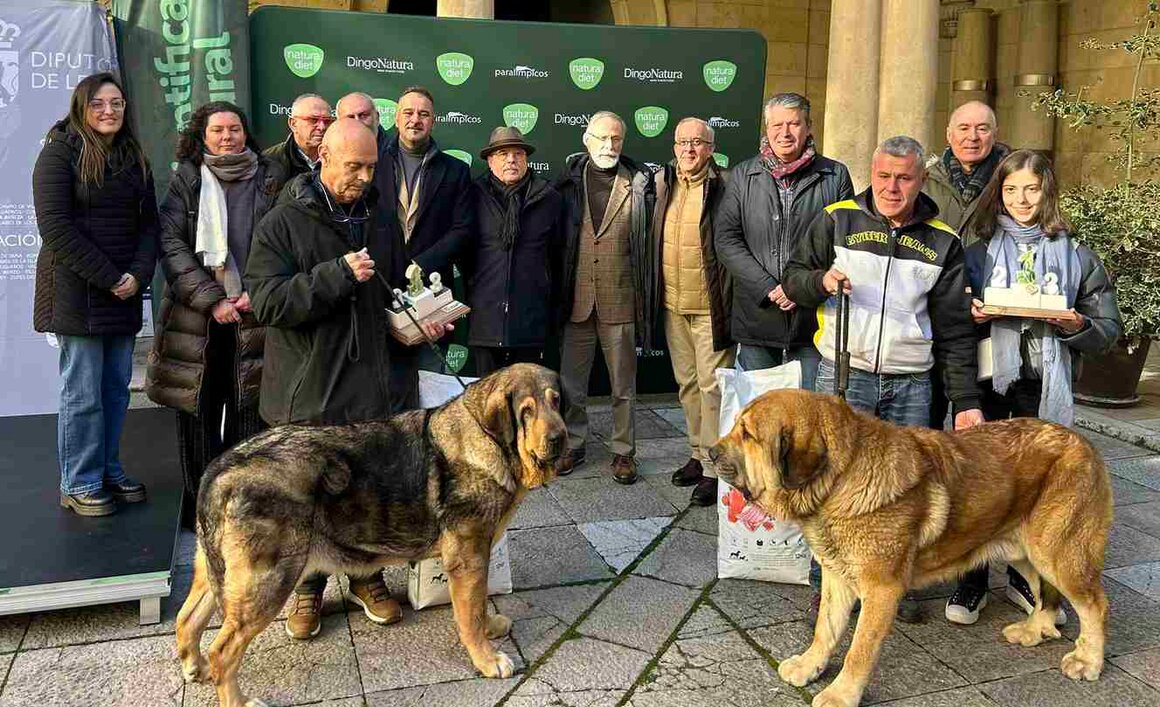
(690, 338)
(618, 343)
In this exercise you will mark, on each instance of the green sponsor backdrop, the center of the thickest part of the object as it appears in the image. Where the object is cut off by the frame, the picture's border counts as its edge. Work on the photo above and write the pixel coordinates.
(544, 78)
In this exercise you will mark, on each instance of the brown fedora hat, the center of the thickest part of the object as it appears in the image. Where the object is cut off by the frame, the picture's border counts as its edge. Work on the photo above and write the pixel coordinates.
(503, 137)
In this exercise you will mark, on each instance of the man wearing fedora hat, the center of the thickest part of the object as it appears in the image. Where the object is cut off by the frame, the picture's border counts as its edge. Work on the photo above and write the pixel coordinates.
(512, 268)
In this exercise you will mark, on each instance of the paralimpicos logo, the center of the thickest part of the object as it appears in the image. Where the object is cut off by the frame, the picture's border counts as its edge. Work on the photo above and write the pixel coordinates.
(651, 120)
(654, 75)
(460, 155)
(719, 74)
(455, 117)
(303, 60)
(387, 109)
(586, 72)
(519, 71)
(522, 116)
(454, 67)
(717, 122)
(380, 64)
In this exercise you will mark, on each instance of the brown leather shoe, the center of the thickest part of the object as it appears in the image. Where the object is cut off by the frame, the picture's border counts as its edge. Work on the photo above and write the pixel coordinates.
(689, 474)
(623, 469)
(305, 619)
(569, 461)
(705, 492)
(375, 599)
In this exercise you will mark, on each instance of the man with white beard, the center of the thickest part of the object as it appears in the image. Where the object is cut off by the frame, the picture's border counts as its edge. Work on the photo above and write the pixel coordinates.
(609, 284)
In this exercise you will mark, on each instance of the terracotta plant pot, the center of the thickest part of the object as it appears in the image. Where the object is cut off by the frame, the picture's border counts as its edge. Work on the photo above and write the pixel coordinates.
(1110, 380)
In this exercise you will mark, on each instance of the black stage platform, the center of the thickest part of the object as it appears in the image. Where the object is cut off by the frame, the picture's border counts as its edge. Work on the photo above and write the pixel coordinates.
(51, 558)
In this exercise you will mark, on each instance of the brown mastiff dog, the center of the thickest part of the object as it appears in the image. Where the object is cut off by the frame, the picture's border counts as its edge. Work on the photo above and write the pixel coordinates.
(353, 498)
(888, 508)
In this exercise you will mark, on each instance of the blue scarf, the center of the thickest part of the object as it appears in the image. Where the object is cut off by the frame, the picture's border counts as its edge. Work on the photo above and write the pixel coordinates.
(1054, 255)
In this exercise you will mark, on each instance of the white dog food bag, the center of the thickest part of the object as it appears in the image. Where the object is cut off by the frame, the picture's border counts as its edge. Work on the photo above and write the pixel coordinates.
(751, 544)
(427, 582)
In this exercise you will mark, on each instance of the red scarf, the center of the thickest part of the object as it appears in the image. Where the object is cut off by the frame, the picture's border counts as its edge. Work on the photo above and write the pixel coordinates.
(782, 170)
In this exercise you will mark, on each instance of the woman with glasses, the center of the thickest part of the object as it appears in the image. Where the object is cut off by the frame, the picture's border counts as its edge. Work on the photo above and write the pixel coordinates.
(97, 213)
(207, 354)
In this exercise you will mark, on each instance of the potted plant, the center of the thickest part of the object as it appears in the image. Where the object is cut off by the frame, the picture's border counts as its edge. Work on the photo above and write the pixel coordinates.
(1121, 221)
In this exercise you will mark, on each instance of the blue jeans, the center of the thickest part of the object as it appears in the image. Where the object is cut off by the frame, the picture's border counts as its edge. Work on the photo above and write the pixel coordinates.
(94, 397)
(756, 358)
(903, 398)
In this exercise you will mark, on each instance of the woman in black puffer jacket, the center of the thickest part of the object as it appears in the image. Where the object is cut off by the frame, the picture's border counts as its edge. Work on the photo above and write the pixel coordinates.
(207, 354)
(97, 215)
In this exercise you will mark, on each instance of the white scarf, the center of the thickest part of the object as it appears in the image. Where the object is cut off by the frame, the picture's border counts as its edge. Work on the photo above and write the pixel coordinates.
(212, 244)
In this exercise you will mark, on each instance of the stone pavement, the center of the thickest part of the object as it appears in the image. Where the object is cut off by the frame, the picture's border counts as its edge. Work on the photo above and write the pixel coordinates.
(616, 603)
(1139, 424)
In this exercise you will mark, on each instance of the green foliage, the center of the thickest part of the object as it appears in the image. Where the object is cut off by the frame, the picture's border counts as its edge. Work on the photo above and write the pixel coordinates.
(1121, 223)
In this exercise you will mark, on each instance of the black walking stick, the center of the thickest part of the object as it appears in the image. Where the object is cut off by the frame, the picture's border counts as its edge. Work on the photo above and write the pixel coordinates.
(397, 301)
(842, 343)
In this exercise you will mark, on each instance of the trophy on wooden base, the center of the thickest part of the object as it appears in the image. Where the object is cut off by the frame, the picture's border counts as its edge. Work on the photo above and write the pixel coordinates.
(419, 304)
(1027, 297)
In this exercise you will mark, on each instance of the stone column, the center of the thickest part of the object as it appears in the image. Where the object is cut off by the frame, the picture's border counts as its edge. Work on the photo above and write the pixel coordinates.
(476, 9)
(972, 65)
(1038, 62)
(851, 119)
(908, 70)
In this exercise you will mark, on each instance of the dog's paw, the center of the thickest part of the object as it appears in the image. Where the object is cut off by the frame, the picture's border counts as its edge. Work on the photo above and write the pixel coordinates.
(799, 672)
(1031, 632)
(1077, 667)
(499, 666)
(255, 702)
(498, 626)
(196, 670)
(830, 698)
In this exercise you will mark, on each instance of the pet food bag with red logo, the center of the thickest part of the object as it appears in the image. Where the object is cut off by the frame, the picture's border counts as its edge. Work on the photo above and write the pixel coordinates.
(751, 544)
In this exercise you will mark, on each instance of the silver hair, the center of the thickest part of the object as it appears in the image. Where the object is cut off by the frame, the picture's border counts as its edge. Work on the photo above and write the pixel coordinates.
(306, 96)
(793, 101)
(692, 119)
(600, 114)
(902, 146)
(993, 121)
(360, 94)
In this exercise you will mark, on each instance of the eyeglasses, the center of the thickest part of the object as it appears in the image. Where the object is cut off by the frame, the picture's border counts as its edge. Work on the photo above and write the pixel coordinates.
(98, 106)
(614, 139)
(315, 119)
(694, 143)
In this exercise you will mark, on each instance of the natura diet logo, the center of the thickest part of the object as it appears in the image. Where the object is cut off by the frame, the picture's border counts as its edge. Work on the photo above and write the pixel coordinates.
(460, 155)
(651, 120)
(654, 75)
(721, 159)
(303, 60)
(519, 71)
(387, 109)
(454, 67)
(522, 116)
(586, 72)
(719, 74)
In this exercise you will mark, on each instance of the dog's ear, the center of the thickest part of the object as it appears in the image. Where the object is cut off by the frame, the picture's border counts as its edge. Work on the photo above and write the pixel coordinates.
(489, 402)
(795, 456)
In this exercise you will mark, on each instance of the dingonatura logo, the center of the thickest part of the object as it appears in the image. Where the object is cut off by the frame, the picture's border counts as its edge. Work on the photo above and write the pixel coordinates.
(719, 74)
(454, 67)
(654, 75)
(586, 72)
(380, 64)
(522, 116)
(460, 155)
(455, 117)
(721, 159)
(303, 60)
(574, 120)
(519, 71)
(651, 120)
(387, 109)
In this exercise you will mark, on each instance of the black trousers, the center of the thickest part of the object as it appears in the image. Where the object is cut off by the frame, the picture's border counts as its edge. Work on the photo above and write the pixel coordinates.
(203, 437)
(1020, 400)
(489, 359)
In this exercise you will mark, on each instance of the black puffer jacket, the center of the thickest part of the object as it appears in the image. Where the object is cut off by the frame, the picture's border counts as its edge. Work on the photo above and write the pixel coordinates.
(512, 291)
(288, 158)
(327, 356)
(92, 235)
(755, 238)
(177, 363)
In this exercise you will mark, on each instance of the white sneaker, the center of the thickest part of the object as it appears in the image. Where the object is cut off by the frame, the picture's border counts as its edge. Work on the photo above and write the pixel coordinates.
(1019, 593)
(965, 604)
